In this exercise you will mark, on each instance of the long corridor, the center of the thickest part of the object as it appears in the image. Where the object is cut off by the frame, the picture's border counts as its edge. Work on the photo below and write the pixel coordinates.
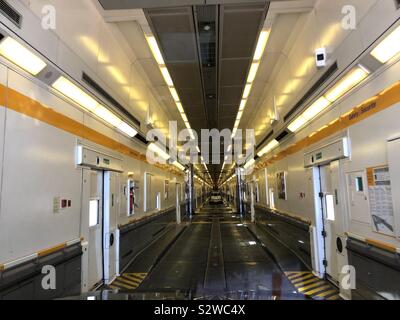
(219, 255)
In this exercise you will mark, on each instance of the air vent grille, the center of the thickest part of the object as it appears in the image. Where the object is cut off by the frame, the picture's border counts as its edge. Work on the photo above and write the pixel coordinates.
(10, 13)
(141, 139)
(332, 69)
(95, 86)
(282, 135)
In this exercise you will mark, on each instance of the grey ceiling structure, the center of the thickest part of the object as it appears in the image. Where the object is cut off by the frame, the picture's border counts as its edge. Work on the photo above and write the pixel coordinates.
(208, 50)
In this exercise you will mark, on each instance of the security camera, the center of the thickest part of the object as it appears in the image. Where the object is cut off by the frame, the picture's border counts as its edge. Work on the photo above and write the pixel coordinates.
(320, 57)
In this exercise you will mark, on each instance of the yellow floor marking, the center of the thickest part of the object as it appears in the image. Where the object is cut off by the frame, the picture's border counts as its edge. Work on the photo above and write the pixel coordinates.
(334, 297)
(293, 277)
(127, 281)
(290, 273)
(309, 293)
(311, 286)
(132, 281)
(133, 276)
(309, 281)
(123, 285)
(326, 293)
(303, 278)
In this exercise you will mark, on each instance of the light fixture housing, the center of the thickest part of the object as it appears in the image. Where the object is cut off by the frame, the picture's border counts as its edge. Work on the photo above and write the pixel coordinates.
(318, 106)
(297, 123)
(253, 72)
(76, 94)
(18, 54)
(174, 94)
(185, 119)
(106, 115)
(180, 107)
(261, 43)
(178, 165)
(242, 104)
(247, 90)
(388, 47)
(271, 145)
(156, 149)
(127, 129)
(151, 40)
(166, 76)
(349, 81)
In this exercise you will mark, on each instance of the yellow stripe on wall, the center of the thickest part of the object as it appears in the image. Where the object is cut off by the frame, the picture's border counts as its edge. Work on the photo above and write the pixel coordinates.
(20, 103)
(368, 108)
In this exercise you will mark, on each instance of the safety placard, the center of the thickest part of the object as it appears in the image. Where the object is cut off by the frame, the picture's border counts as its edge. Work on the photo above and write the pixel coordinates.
(380, 199)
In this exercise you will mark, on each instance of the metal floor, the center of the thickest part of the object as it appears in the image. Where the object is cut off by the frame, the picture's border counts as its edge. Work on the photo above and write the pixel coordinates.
(219, 256)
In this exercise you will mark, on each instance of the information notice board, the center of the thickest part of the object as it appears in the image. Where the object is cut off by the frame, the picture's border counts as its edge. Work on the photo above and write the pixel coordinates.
(380, 200)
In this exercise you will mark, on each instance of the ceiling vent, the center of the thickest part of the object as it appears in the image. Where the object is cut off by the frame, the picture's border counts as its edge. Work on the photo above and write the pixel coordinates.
(95, 86)
(318, 84)
(8, 11)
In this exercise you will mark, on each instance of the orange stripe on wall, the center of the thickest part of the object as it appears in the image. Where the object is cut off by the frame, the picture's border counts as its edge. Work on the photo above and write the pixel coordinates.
(368, 108)
(18, 102)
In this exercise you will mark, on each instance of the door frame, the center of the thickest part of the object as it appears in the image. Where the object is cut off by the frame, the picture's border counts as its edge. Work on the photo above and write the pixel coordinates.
(178, 202)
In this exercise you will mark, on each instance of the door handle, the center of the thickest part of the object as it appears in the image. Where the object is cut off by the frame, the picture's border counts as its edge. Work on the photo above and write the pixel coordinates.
(111, 239)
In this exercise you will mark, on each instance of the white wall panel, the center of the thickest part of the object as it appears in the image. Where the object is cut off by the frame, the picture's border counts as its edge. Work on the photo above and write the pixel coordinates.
(39, 164)
(3, 81)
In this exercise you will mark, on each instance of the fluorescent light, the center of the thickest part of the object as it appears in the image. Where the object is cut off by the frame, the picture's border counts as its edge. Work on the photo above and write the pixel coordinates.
(242, 105)
(21, 56)
(76, 94)
(156, 149)
(253, 72)
(268, 147)
(296, 124)
(179, 106)
(348, 82)
(246, 91)
(187, 124)
(127, 129)
(239, 115)
(317, 107)
(155, 49)
(174, 94)
(178, 165)
(388, 48)
(249, 163)
(166, 76)
(237, 123)
(107, 116)
(185, 119)
(234, 132)
(262, 42)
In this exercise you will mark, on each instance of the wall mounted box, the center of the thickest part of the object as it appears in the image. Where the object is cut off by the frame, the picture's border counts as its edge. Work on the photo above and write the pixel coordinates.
(338, 149)
(88, 157)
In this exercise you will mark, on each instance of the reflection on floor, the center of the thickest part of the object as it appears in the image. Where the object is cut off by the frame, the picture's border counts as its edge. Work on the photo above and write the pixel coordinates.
(218, 255)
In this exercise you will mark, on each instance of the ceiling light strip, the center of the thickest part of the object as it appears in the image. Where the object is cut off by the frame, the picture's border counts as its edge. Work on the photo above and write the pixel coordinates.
(80, 97)
(353, 78)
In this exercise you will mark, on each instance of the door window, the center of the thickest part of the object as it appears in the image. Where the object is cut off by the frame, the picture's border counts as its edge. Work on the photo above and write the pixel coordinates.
(93, 212)
(330, 207)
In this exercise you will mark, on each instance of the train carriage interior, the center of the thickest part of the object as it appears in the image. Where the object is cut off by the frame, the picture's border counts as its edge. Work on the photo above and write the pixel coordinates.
(200, 150)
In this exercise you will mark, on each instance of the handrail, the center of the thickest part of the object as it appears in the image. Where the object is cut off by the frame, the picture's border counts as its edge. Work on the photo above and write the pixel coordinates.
(375, 243)
(284, 213)
(39, 254)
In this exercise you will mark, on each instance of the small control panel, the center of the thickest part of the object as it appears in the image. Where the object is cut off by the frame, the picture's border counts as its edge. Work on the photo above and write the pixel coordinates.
(60, 204)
